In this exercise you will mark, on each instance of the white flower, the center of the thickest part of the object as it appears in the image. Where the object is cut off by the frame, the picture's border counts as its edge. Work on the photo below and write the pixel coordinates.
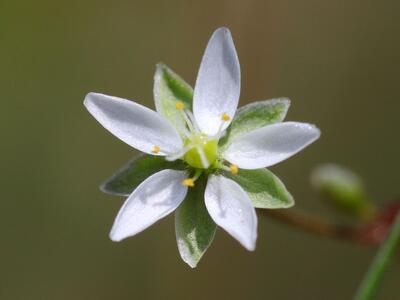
(195, 141)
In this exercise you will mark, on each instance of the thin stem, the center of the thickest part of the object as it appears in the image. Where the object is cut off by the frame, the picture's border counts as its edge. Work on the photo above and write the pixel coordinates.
(374, 276)
(311, 224)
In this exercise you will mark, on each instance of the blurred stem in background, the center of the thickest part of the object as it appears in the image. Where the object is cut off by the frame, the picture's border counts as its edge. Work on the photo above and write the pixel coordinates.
(344, 191)
(374, 276)
(371, 232)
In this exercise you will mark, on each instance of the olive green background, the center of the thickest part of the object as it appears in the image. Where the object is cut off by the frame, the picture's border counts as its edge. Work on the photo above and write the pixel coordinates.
(337, 60)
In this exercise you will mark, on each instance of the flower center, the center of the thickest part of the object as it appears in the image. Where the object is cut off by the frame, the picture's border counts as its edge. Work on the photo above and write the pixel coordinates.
(203, 152)
(200, 151)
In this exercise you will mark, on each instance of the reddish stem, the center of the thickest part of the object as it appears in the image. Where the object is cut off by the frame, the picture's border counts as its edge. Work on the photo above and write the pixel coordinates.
(370, 233)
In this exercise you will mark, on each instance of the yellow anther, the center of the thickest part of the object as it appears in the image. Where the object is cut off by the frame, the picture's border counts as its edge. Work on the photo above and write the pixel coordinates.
(188, 182)
(179, 105)
(225, 117)
(234, 169)
(156, 149)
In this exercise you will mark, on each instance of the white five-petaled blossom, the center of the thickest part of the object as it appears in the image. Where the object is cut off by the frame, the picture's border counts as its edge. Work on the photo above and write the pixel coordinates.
(195, 141)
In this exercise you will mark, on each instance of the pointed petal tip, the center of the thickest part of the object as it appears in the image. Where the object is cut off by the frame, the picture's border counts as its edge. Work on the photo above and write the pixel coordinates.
(224, 33)
(117, 235)
(88, 98)
(313, 130)
(223, 29)
(91, 99)
(251, 247)
(250, 244)
(317, 131)
(114, 236)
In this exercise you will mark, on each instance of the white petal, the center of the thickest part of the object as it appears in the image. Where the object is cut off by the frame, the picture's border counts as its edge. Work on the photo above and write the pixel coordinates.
(136, 125)
(153, 199)
(271, 144)
(217, 87)
(230, 207)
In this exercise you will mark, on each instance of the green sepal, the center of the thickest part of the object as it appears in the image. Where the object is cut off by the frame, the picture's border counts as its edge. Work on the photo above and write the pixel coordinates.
(194, 227)
(126, 179)
(264, 188)
(255, 115)
(170, 88)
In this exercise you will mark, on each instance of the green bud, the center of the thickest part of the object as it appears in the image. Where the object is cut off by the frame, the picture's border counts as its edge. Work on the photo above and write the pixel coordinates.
(342, 188)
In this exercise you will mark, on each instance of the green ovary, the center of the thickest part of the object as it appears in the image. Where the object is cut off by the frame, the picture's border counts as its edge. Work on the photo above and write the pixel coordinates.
(210, 149)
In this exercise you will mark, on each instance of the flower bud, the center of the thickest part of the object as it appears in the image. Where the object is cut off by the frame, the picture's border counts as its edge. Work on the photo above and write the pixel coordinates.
(342, 188)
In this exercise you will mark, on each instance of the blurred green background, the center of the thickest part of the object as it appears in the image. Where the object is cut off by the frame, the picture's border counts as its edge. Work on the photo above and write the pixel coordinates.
(337, 60)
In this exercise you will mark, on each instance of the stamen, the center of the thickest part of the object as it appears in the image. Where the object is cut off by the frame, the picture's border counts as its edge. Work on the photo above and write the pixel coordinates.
(179, 105)
(188, 182)
(179, 154)
(225, 117)
(234, 169)
(193, 120)
(185, 132)
(156, 149)
(182, 129)
(187, 120)
(188, 117)
(197, 174)
(203, 157)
